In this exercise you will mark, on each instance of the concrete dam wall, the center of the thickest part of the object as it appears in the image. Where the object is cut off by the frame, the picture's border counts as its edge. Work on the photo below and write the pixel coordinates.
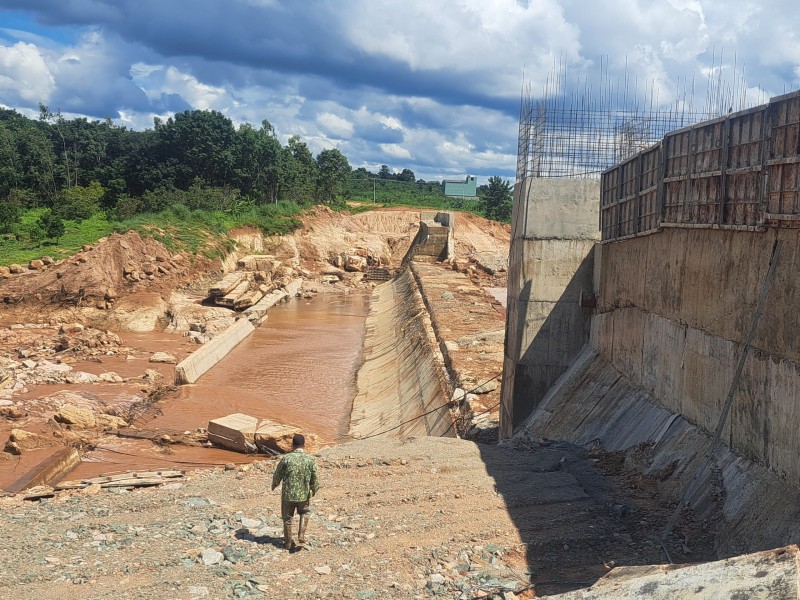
(674, 309)
(688, 229)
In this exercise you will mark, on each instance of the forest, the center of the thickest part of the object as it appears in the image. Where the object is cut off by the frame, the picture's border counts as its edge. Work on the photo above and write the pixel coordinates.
(75, 177)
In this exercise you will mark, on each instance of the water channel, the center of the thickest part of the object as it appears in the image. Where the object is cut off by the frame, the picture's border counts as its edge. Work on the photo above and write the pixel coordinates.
(298, 368)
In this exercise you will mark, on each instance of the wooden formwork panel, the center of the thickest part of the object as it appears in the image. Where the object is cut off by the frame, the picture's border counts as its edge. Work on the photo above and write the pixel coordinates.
(627, 219)
(706, 147)
(609, 187)
(676, 148)
(608, 222)
(704, 200)
(743, 201)
(650, 162)
(630, 179)
(746, 140)
(649, 217)
(783, 191)
(675, 196)
(785, 121)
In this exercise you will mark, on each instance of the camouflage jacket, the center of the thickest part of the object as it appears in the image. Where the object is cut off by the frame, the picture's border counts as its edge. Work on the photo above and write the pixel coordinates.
(298, 471)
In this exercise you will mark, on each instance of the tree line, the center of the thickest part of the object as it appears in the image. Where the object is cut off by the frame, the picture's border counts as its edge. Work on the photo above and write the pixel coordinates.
(198, 158)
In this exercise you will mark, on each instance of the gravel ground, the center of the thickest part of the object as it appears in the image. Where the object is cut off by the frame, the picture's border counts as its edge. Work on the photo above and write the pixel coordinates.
(429, 517)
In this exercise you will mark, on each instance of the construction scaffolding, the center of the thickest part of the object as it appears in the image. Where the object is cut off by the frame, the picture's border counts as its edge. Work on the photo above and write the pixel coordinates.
(577, 129)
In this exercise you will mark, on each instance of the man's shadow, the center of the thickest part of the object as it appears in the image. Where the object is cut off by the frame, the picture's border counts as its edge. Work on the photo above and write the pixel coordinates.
(245, 535)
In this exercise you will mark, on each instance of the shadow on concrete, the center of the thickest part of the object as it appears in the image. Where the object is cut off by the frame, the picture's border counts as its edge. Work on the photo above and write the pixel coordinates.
(557, 342)
(577, 514)
(575, 520)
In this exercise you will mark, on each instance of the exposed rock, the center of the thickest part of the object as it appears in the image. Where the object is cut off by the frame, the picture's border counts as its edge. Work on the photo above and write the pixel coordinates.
(81, 418)
(25, 440)
(15, 268)
(110, 421)
(211, 557)
(485, 388)
(111, 377)
(11, 412)
(141, 312)
(36, 265)
(81, 377)
(47, 260)
(332, 270)
(355, 263)
(163, 357)
(71, 328)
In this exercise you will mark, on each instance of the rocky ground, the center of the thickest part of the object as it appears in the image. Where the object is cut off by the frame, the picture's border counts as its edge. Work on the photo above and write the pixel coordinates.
(424, 518)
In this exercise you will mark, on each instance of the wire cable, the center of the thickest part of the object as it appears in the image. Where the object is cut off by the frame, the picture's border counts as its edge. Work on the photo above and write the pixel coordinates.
(425, 414)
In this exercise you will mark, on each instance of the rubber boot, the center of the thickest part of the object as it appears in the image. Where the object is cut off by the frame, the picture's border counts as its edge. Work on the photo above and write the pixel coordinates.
(288, 542)
(301, 537)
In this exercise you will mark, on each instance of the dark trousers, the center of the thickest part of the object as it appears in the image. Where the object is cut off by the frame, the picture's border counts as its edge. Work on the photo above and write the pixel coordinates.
(288, 509)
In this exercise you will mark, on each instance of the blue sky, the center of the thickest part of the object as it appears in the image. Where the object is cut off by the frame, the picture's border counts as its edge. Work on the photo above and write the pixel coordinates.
(433, 86)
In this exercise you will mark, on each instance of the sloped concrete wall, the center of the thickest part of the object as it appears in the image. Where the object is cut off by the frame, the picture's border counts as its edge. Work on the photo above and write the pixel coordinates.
(750, 506)
(554, 230)
(674, 309)
(401, 389)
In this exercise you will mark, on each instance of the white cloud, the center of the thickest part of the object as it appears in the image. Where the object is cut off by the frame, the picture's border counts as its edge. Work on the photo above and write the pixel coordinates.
(335, 125)
(396, 151)
(24, 74)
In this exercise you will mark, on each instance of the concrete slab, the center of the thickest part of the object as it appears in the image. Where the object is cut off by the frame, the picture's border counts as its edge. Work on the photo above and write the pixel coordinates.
(235, 432)
(772, 574)
(209, 354)
(49, 471)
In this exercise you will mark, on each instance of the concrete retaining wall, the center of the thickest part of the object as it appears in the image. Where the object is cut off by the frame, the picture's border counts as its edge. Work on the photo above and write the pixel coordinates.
(209, 354)
(401, 378)
(554, 229)
(592, 403)
(674, 309)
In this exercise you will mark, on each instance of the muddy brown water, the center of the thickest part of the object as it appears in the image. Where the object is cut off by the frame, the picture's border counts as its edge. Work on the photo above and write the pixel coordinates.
(298, 368)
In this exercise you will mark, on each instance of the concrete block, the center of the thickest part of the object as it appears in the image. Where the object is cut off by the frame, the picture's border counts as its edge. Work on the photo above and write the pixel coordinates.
(209, 354)
(293, 287)
(246, 434)
(234, 432)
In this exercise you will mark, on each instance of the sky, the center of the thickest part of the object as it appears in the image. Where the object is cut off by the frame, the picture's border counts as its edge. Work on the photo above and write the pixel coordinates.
(430, 85)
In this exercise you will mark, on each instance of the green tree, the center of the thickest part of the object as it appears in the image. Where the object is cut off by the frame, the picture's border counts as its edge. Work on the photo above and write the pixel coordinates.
(10, 212)
(496, 202)
(385, 173)
(79, 203)
(406, 175)
(198, 143)
(258, 162)
(299, 172)
(333, 170)
(52, 225)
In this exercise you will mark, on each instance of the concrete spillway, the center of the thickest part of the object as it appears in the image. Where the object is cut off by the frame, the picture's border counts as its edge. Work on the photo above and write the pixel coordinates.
(401, 389)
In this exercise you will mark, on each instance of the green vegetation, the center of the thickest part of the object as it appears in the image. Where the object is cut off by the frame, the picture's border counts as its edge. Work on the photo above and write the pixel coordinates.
(65, 183)
(495, 199)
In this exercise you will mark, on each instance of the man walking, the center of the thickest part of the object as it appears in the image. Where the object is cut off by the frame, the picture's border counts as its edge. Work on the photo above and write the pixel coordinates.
(298, 472)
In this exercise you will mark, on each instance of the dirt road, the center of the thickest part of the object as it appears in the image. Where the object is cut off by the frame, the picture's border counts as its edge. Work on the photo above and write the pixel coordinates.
(427, 517)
